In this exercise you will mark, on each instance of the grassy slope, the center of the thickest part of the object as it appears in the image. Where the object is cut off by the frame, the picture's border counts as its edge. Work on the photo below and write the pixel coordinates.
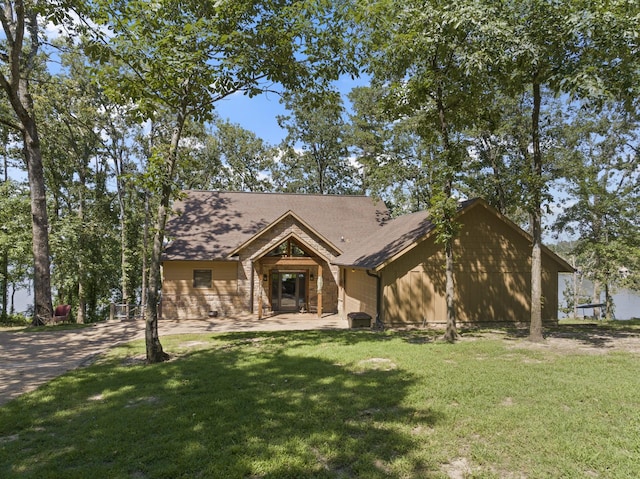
(332, 404)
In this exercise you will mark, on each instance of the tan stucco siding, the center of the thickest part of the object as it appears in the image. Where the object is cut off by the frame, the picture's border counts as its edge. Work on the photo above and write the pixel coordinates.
(181, 300)
(360, 292)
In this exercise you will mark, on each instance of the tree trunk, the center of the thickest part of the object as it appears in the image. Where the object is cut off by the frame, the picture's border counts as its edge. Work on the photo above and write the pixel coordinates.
(451, 332)
(597, 289)
(4, 273)
(12, 308)
(145, 251)
(575, 287)
(608, 300)
(18, 63)
(535, 215)
(124, 266)
(535, 330)
(43, 310)
(5, 261)
(80, 314)
(154, 348)
(155, 353)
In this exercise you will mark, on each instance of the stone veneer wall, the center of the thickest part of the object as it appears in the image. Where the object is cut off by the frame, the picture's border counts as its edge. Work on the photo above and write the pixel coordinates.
(275, 236)
(227, 296)
(181, 302)
(201, 306)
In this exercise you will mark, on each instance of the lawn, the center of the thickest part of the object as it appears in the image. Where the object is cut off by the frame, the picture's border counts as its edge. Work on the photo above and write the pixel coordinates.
(335, 404)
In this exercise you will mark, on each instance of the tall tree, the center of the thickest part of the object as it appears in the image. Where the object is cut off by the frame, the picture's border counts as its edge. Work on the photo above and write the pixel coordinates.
(314, 155)
(397, 163)
(433, 59)
(245, 158)
(563, 48)
(540, 47)
(68, 111)
(14, 242)
(499, 144)
(181, 57)
(19, 60)
(118, 131)
(601, 174)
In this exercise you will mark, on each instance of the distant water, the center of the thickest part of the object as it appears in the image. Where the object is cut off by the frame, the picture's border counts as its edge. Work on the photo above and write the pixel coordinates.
(626, 302)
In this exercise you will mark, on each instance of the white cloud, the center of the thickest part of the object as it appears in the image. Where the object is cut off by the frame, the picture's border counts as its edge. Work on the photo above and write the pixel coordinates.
(70, 29)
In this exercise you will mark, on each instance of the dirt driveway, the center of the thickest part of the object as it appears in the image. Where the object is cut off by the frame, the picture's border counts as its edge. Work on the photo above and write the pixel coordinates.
(29, 359)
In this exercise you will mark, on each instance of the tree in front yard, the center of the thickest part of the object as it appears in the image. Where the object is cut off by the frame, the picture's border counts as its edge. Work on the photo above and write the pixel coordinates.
(179, 58)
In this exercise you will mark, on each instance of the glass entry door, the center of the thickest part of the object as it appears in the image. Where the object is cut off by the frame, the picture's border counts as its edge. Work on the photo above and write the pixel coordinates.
(288, 291)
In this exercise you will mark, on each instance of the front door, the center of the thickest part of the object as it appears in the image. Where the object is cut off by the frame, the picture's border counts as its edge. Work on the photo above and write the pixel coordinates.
(288, 291)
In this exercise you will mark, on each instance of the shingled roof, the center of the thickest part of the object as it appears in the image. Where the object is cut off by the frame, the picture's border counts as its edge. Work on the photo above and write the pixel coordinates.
(397, 236)
(403, 233)
(211, 224)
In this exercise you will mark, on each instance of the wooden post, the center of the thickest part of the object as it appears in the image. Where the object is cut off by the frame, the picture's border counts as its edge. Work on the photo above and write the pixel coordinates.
(320, 282)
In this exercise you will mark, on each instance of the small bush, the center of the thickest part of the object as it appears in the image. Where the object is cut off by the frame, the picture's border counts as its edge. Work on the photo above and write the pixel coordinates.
(16, 319)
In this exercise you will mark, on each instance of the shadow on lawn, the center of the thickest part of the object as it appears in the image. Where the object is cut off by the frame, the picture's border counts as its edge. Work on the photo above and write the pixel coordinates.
(339, 337)
(249, 409)
(314, 337)
(593, 334)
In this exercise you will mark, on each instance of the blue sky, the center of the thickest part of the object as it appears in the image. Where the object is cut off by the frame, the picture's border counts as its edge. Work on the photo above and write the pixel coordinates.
(258, 114)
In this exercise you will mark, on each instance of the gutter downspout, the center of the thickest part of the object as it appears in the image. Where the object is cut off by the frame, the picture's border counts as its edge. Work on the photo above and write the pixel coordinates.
(379, 324)
(252, 288)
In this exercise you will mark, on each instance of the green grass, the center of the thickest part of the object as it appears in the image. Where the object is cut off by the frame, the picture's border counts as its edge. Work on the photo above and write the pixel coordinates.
(613, 324)
(25, 327)
(52, 327)
(333, 404)
(14, 320)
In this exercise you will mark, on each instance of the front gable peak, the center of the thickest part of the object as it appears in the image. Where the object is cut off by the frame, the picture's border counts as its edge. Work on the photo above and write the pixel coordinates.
(279, 229)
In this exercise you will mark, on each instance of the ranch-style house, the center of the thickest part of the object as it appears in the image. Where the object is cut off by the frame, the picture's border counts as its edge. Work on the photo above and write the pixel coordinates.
(237, 254)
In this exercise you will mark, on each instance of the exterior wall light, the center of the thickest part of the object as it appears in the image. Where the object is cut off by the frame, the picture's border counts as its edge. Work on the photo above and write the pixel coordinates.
(311, 277)
(265, 277)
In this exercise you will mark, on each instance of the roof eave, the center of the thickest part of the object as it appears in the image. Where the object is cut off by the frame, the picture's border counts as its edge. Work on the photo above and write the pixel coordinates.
(421, 239)
(472, 204)
(271, 225)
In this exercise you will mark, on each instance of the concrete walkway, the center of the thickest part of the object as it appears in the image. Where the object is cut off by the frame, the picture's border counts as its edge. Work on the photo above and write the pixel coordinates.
(29, 359)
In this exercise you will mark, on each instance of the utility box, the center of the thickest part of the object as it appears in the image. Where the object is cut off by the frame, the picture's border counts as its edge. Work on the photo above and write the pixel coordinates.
(359, 320)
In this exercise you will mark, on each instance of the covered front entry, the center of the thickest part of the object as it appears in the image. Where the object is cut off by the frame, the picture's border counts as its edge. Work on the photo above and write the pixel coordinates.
(289, 291)
(293, 278)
